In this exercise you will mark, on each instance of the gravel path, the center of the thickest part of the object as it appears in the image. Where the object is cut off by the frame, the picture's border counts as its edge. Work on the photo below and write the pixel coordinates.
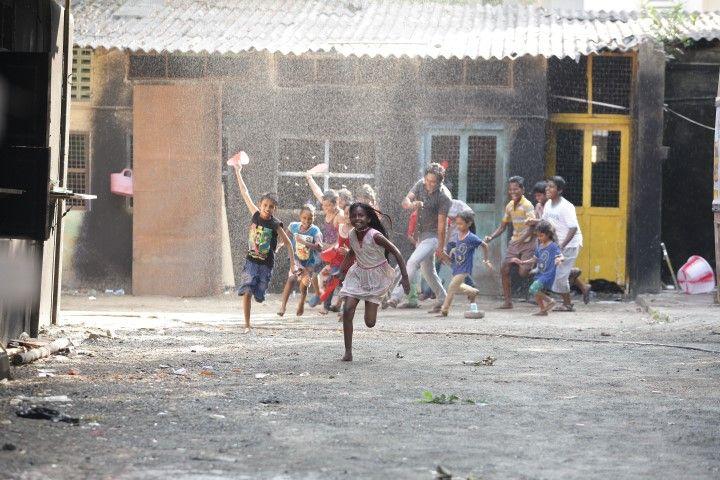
(607, 392)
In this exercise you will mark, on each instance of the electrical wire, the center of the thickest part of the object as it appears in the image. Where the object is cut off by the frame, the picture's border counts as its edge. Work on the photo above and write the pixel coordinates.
(620, 107)
(688, 119)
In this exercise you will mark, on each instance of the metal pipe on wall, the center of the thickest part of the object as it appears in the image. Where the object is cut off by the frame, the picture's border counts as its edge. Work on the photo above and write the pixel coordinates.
(716, 194)
(57, 254)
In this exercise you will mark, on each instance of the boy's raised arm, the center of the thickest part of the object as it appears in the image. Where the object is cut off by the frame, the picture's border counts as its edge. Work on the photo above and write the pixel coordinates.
(245, 193)
(317, 191)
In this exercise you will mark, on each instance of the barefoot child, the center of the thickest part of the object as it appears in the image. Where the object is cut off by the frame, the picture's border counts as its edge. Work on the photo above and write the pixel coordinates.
(371, 276)
(547, 257)
(306, 239)
(264, 232)
(460, 254)
(334, 257)
(329, 226)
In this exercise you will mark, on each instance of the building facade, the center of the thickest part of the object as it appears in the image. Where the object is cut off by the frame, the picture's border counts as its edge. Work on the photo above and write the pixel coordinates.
(594, 118)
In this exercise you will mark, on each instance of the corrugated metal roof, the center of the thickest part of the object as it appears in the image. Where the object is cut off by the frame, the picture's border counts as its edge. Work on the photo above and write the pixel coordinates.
(363, 27)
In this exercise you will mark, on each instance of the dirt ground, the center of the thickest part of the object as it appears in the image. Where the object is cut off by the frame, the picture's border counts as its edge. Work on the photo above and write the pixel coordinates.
(607, 392)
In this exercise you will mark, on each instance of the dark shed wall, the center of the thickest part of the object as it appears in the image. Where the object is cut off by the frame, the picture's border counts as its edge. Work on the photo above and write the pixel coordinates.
(36, 27)
(256, 114)
(691, 84)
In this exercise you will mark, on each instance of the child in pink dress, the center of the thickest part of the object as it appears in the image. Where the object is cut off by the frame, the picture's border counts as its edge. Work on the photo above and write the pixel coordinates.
(370, 277)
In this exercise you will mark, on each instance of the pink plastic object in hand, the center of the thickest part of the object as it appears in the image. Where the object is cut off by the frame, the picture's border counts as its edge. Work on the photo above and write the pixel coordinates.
(319, 168)
(240, 158)
(122, 183)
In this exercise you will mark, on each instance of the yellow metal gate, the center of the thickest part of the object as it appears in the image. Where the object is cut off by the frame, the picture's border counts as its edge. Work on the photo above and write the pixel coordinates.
(594, 159)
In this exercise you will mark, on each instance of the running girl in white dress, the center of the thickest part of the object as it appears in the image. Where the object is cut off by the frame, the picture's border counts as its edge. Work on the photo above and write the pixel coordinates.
(371, 277)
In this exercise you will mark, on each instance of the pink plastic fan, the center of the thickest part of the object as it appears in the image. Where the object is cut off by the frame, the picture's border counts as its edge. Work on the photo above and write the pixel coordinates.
(240, 158)
(319, 168)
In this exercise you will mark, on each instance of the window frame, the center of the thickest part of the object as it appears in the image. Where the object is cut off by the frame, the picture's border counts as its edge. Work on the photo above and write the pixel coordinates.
(86, 205)
(589, 113)
(326, 140)
(465, 132)
(76, 74)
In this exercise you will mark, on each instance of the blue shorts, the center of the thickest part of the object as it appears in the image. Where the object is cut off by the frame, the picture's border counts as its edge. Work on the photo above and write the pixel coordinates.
(255, 279)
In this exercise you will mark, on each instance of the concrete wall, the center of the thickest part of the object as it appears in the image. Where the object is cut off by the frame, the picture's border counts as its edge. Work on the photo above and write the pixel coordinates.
(257, 113)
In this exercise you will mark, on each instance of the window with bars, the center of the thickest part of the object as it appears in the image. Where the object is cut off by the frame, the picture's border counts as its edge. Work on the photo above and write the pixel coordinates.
(567, 80)
(569, 163)
(80, 88)
(455, 72)
(470, 162)
(605, 161)
(482, 156)
(597, 84)
(351, 163)
(611, 79)
(78, 168)
(445, 150)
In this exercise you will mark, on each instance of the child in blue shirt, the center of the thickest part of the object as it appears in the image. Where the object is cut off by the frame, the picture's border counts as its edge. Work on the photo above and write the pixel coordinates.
(547, 257)
(306, 240)
(460, 253)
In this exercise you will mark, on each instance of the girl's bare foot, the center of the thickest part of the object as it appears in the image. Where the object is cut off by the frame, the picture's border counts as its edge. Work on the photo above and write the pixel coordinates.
(323, 311)
(541, 313)
(300, 310)
(505, 306)
(347, 357)
(442, 314)
(281, 313)
(247, 330)
(548, 306)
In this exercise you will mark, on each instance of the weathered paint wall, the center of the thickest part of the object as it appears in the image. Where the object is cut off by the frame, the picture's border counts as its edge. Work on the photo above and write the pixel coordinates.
(102, 236)
(691, 85)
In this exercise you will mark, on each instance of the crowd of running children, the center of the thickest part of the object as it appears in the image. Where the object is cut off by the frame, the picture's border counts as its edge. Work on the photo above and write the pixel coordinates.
(345, 258)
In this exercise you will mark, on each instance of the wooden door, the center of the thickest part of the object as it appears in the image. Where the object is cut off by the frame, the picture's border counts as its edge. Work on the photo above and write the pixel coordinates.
(476, 170)
(177, 223)
(594, 161)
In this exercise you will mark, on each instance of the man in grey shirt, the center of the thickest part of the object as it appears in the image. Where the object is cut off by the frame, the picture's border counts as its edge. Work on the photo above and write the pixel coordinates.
(432, 200)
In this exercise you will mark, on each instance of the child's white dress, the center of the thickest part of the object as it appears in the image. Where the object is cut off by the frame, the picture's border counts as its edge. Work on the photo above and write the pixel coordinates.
(371, 277)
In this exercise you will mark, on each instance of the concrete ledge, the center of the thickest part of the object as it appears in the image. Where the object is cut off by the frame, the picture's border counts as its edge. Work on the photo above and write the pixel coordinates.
(674, 306)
